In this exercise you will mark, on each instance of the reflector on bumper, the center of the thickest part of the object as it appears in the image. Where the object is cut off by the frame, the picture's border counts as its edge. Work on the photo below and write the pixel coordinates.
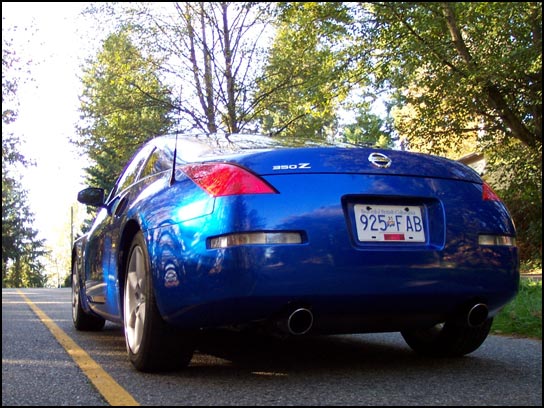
(255, 238)
(496, 240)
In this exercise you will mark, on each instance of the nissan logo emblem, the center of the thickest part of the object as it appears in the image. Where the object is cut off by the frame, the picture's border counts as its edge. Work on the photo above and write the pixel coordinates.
(379, 160)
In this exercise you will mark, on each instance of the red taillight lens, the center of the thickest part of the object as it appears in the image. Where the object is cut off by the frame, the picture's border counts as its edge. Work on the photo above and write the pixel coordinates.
(488, 193)
(223, 179)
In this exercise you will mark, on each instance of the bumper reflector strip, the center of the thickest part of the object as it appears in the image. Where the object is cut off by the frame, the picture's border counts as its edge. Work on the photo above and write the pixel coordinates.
(255, 238)
(496, 240)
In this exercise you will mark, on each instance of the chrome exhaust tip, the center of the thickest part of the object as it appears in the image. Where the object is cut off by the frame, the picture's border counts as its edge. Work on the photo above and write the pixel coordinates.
(477, 315)
(300, 321)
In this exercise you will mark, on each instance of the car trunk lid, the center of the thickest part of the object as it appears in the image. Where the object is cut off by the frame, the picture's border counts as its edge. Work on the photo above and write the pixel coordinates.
(330, 160)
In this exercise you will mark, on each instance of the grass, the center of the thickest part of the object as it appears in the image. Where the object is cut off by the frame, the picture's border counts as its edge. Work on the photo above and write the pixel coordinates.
(523, 315)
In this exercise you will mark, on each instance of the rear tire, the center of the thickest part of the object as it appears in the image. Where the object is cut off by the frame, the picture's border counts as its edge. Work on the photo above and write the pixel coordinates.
(82, 321)
(152, 344)
(450, 339)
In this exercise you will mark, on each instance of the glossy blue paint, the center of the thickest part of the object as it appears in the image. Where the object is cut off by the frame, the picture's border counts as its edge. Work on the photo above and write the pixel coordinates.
(332, 264)
(350, 286)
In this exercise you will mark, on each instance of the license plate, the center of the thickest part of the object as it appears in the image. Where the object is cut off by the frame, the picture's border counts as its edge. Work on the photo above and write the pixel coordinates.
(389, 223)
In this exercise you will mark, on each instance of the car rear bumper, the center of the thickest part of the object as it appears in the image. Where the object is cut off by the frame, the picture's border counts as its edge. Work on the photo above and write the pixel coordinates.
(349, 285)
(361, 293)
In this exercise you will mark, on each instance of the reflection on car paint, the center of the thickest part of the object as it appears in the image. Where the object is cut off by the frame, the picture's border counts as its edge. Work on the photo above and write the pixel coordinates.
(218, 262)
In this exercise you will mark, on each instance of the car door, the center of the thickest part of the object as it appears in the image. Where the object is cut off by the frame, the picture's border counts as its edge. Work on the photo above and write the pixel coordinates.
(101, 283)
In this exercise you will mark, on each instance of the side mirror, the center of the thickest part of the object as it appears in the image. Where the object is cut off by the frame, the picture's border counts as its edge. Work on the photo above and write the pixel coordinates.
(92, 196)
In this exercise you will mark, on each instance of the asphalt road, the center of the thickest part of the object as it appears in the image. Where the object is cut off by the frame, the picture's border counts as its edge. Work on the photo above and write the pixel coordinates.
(229, 369)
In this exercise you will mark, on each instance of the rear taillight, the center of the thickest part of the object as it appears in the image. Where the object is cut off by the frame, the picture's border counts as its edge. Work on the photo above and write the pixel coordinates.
(488, 194)
(223, 179)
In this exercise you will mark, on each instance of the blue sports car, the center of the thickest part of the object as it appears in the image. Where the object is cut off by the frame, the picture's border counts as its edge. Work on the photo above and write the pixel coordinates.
(248, 232)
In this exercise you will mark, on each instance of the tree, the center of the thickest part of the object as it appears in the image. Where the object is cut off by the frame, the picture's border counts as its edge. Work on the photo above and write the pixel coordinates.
(123, 105)
(21, 249)
(305, 79)
(369, 129)
(471, 67)
(468, 71)
(210, 53)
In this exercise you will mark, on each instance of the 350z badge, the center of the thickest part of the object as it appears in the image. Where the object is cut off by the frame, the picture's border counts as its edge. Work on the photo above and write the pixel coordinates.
(291, 166)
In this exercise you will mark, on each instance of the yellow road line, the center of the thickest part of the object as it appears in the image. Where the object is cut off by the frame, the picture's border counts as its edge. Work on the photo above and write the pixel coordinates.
(114, 394)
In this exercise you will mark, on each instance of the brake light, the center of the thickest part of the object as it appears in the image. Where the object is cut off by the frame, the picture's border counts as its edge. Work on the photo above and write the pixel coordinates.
(488, 194)
(223, 179)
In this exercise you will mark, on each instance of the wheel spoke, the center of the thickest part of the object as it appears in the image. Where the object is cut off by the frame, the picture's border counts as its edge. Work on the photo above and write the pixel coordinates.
(132, 282)
(139, 324)
(140, 270)
(131, 319)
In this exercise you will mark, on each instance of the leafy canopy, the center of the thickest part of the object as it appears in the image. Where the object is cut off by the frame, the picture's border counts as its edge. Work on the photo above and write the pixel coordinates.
(123, 105)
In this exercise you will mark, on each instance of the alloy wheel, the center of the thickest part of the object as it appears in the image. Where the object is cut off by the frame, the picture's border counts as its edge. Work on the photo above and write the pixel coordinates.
(135, 300)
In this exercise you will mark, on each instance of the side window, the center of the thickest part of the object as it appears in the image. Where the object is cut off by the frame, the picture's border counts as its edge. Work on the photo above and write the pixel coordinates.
(154, 165)
(131, 171)
(161, 159)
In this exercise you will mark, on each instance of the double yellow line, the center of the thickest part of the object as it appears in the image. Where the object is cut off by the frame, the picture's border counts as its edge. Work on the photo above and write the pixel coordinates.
(114, 394)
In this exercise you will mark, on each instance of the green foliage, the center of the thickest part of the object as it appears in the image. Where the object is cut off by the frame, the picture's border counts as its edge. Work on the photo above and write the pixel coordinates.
(21, 249)
(462, 68)
(522, 316)
(123, 105)
(368, 129)
(515, 172)
(67, 283)
(305, 78)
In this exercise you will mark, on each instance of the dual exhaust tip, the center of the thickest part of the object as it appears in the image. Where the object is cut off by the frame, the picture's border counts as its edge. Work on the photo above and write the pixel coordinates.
(300, 320)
